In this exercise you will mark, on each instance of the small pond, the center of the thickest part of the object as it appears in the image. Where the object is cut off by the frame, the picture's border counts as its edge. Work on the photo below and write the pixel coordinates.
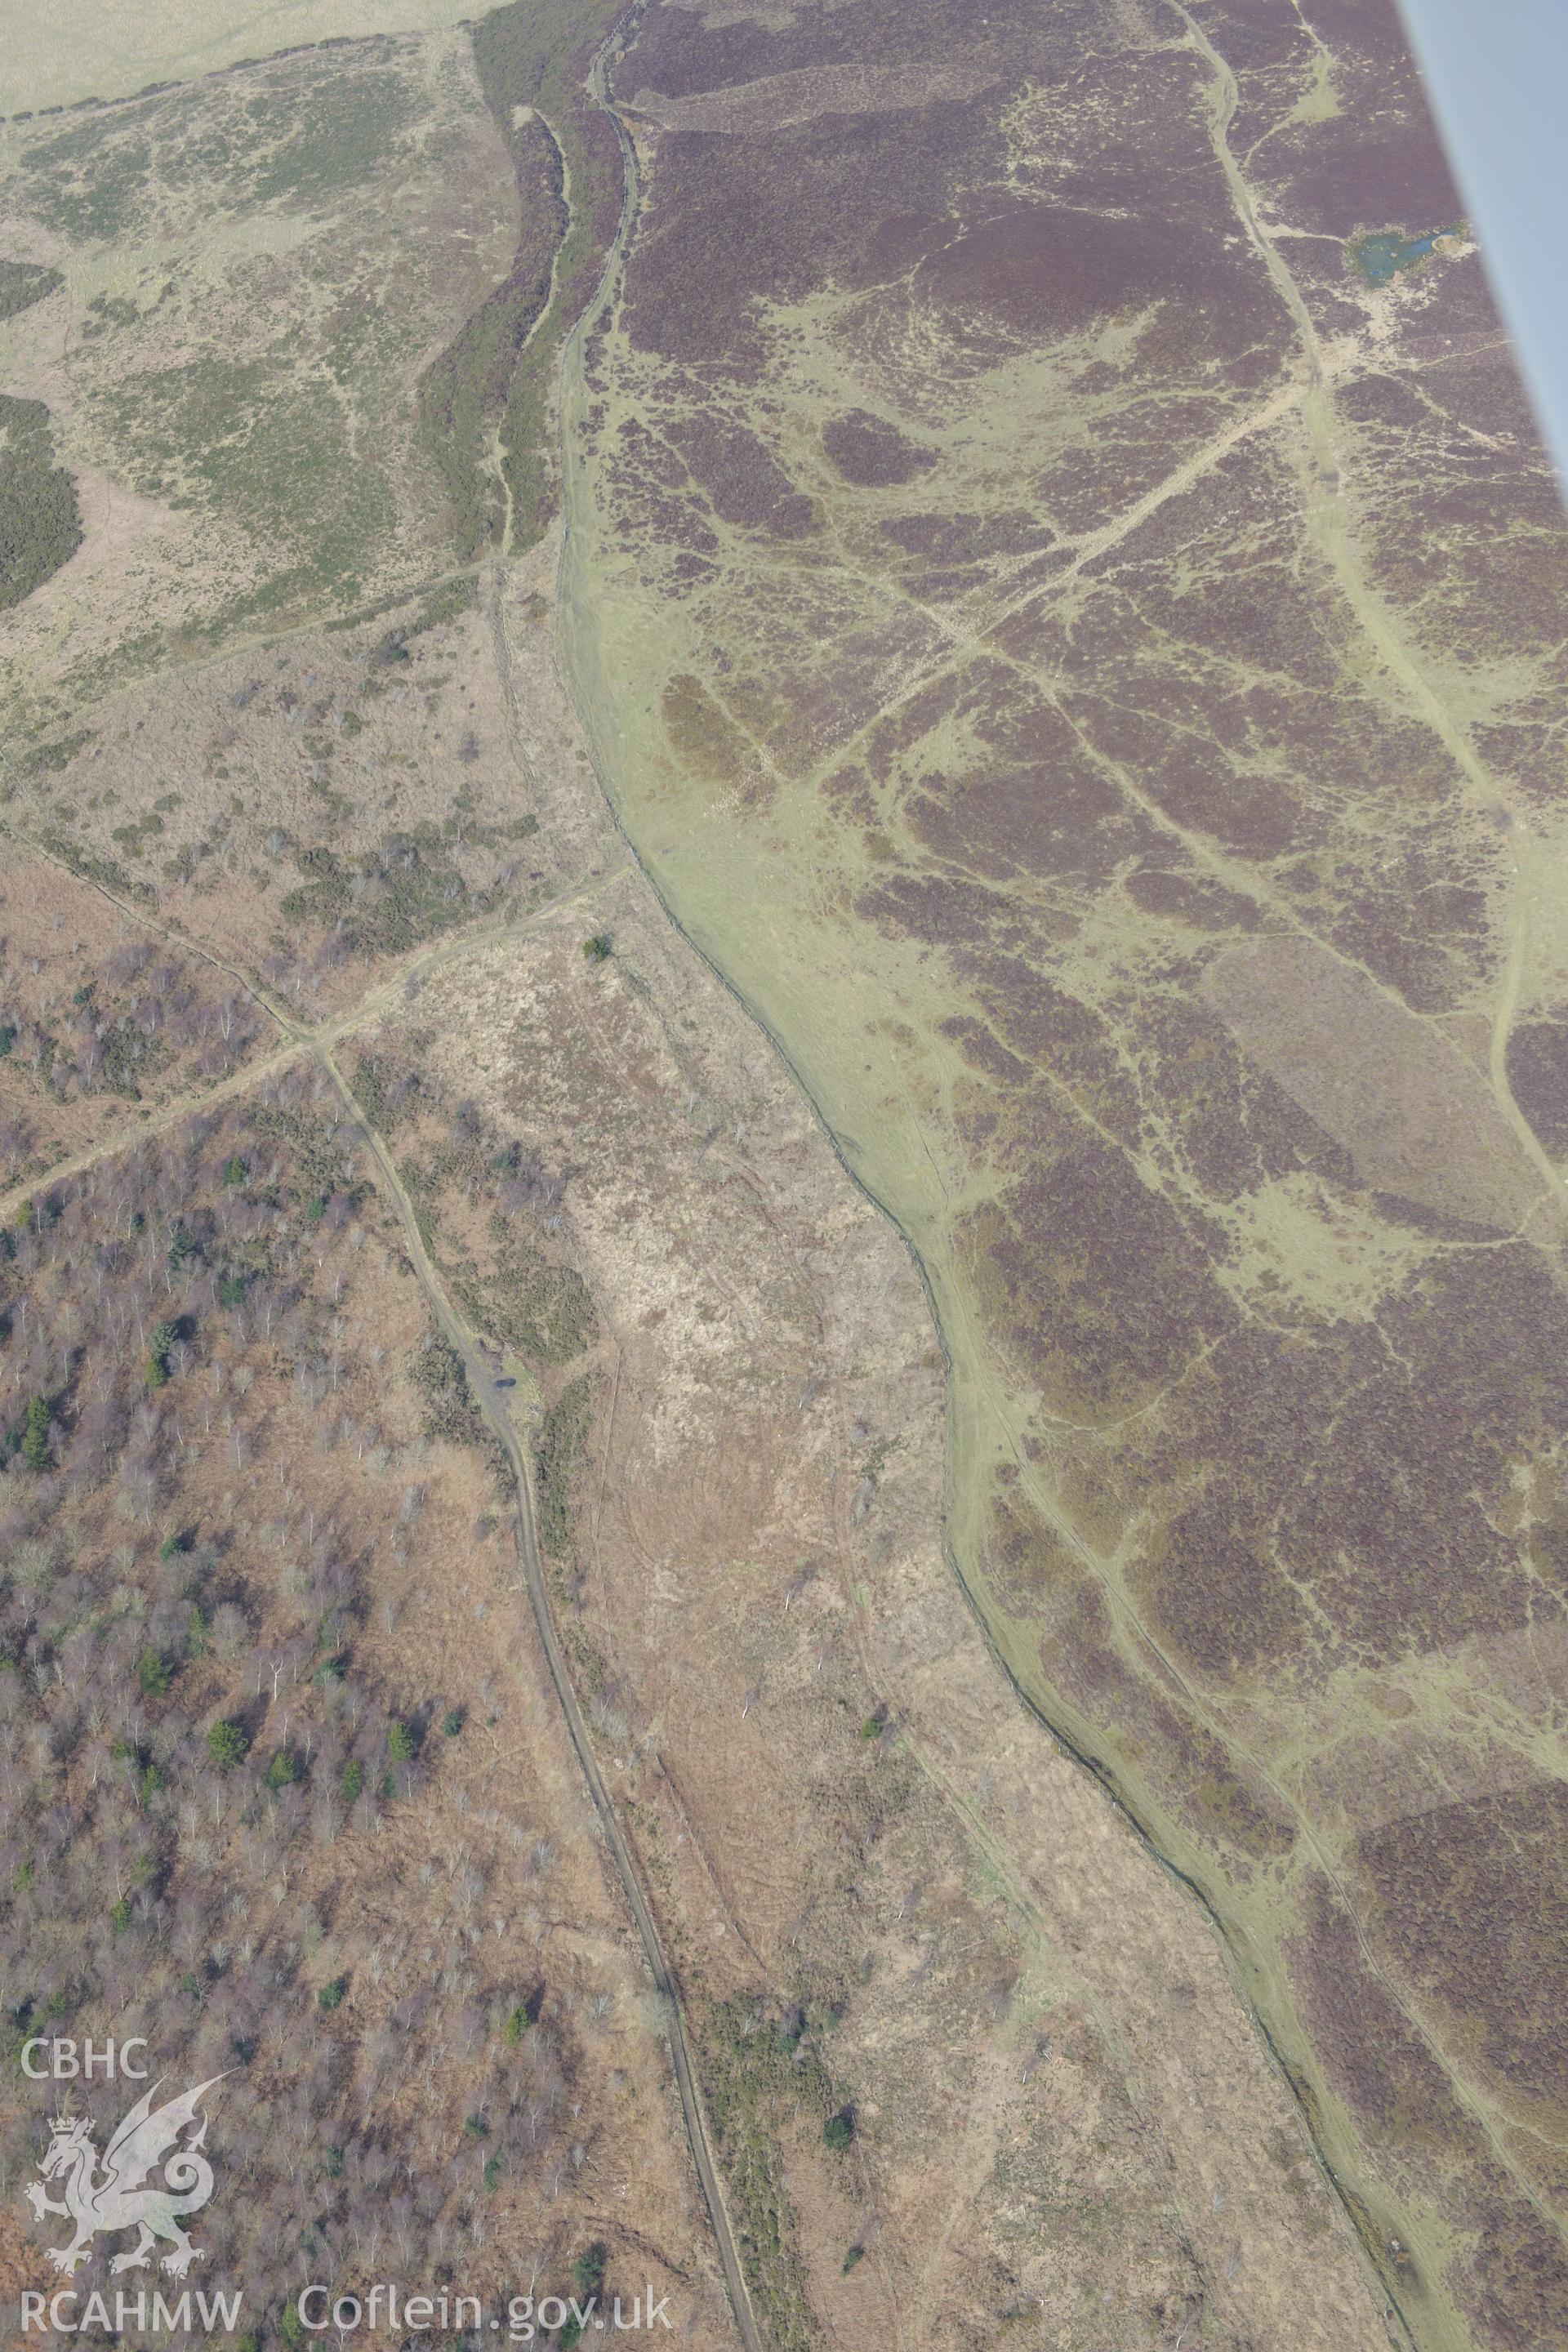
(1387, 251)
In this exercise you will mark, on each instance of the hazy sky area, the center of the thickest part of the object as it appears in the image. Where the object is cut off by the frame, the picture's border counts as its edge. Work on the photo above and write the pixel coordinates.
(1497, 76)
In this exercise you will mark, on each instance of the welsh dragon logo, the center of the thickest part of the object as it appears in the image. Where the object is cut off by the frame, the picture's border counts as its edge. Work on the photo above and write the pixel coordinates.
(123, 2194)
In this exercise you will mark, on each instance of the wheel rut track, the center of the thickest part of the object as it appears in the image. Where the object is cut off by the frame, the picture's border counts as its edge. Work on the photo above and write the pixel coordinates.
(664, 1981)
(1387, 2286)
(499, 1422)
(300, 1042)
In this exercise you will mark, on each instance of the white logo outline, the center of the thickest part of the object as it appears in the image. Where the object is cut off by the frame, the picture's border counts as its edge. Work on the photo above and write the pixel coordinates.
(124, 2195)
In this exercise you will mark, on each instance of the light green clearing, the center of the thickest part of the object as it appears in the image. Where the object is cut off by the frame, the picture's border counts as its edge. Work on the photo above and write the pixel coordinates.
(81, 48)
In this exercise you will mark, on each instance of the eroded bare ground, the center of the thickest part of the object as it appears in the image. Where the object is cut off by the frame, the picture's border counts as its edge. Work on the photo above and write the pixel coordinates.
(886, 1890)
(1083, 654)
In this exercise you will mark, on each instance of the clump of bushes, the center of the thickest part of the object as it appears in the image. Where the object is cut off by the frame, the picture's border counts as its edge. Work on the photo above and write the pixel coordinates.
(441, 1376)
(39, 527)
(559, 1445)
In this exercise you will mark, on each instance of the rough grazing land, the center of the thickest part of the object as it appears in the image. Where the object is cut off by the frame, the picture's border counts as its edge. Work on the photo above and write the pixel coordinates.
(249, 276)
(887, 1892)
(293, 331)
(71, 54)
(1083, 653)
(261, 1494)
